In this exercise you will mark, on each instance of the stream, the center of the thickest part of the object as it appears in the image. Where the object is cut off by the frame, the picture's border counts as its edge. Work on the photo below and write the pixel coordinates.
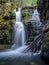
(16, 56)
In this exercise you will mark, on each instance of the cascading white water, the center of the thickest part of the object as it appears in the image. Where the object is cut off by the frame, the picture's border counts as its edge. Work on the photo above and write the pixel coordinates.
(19, 36)
(18, 15)
(19, 32)
(19, 40)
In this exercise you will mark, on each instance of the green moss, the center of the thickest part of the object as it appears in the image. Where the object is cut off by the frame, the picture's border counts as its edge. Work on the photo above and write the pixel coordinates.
(1, 17)
(25, 19)
(46, 39)
(26, 14)
(30, 3)
(4, 46)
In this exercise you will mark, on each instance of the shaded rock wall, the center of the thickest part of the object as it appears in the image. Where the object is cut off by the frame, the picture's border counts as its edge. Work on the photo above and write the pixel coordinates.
(43, 9)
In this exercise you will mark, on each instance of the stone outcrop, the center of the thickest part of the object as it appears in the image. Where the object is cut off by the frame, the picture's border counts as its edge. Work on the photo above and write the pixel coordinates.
(43, 9)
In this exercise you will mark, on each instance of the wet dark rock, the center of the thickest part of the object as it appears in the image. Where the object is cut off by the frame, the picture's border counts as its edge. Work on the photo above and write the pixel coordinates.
(45, 56)
(6, 17)
(12, 16)
(29, 31)
(32, 29)
(43, 9)
(45, 48)
(27, 8)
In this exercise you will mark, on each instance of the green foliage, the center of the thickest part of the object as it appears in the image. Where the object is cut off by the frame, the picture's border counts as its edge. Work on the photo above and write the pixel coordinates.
(30, 2)
(1, 17)
(5, 11)
(26, 14)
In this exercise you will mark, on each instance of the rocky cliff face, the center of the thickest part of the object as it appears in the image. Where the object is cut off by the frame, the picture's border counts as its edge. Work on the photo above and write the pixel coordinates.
(43, 9)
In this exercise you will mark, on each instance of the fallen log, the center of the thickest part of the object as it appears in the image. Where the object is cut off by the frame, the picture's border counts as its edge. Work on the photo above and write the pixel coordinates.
(37, 40)
(35, 44)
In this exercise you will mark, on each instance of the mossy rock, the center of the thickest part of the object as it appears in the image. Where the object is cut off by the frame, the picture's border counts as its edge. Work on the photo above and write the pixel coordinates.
(46, 41)
(1, 17)
(26, 13)
(4, 46)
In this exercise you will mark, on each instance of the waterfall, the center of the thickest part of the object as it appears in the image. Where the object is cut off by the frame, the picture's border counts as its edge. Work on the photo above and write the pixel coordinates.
(17, 55)
(35, 16)
(19, 32)
(18, 15)
(37, 25)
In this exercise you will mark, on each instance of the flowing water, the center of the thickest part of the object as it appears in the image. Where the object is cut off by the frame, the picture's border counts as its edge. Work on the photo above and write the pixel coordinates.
(37, 25)
(16, 57)
(19, 31)
(18, 15)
